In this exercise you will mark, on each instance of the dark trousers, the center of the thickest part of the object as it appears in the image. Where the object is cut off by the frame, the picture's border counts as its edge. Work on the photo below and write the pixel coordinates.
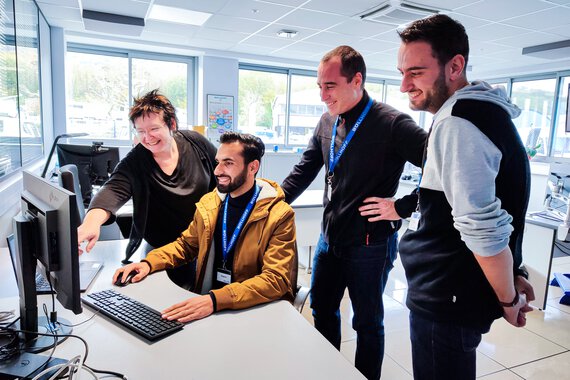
(364, 271)
(443, 350)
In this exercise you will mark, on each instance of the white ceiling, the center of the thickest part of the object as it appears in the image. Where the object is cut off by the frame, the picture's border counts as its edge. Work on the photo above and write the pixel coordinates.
(247, 30)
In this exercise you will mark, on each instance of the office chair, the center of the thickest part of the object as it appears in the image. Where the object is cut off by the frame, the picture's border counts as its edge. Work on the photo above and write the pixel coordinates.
(69, 180)
(301, 297)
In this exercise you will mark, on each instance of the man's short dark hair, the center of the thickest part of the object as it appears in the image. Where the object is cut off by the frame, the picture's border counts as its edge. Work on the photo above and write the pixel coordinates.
(253, 147)
(351, 62)
(446, 36)
(153, 102)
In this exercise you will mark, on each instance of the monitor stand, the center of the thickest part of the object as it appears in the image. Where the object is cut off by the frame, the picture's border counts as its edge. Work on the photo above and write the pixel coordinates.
(44, 342)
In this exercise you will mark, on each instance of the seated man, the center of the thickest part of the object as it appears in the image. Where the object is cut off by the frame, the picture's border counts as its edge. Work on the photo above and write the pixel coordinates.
(242, 235)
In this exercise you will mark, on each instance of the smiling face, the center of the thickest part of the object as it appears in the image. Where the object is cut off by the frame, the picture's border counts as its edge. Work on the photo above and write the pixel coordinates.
(336, 92)
(233, 174)
(153, 133)
(423, 78)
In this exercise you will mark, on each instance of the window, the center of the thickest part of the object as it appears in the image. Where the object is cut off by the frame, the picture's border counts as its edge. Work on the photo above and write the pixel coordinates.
(375, 90)
(98, 94)
(169, 77)
(262, 105)
(561, 147)
(21, 136)
(399, 101)
(535, 98)
(306, 109)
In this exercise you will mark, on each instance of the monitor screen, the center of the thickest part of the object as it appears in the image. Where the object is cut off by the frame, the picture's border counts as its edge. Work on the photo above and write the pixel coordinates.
(94, 164)
(46, 236)
(558, 190)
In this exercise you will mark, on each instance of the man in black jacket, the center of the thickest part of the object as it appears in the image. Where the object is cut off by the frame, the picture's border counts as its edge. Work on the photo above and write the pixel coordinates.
(371, 143)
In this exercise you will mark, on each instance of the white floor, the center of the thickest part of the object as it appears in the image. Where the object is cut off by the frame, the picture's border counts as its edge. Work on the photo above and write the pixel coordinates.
(541, 350)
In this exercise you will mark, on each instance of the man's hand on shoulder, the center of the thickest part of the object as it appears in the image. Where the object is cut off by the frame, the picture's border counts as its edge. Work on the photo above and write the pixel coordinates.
(190, 310)
(379, 209)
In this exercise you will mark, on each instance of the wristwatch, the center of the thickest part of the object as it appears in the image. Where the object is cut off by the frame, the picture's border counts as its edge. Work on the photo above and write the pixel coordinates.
(512, 303)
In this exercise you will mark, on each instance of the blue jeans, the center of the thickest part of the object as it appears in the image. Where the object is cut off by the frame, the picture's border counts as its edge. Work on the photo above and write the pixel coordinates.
(443, 350)
(364, 270)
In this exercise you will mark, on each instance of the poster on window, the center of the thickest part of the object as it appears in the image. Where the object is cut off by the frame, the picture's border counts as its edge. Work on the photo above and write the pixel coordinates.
(220, 113)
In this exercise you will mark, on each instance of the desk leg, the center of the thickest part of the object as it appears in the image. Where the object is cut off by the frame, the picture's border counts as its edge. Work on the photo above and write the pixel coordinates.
(308, 268)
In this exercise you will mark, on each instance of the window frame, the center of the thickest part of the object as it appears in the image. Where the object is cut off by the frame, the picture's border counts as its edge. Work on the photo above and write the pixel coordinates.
(130, 54)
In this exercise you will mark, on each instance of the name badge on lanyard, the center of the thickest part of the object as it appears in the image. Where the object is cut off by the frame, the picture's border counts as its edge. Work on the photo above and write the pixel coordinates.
(334, 158)
(224, 274)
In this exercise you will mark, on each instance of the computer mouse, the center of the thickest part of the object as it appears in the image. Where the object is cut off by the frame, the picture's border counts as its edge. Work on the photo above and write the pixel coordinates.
(127, 280)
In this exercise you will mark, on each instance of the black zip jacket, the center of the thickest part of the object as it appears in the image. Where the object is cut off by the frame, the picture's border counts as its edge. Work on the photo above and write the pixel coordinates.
(370, 166)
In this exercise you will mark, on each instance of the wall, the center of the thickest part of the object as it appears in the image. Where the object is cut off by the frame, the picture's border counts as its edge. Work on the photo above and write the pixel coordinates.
(216, 76)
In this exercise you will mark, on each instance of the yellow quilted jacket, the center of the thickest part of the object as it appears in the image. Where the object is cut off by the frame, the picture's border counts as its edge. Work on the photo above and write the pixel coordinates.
(265, 258)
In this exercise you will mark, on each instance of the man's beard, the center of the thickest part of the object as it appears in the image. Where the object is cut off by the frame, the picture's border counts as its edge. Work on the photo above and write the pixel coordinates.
(435, 98)
(234, 184)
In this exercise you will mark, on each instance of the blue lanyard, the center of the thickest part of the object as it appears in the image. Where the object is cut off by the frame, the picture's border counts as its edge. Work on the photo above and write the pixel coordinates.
(333, 159)
(225, 247)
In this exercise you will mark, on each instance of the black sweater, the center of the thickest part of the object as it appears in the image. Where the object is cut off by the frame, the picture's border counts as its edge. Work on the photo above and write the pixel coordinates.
(370, 166)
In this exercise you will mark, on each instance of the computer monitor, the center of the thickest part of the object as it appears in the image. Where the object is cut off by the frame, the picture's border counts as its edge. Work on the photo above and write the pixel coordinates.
(45, 232)
(558, 190)
(94, 164)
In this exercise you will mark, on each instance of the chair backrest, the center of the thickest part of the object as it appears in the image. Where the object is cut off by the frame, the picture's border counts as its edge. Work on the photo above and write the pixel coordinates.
(69, 180)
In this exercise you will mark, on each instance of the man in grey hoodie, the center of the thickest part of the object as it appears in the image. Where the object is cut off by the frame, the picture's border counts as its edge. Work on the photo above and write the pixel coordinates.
(462, 251)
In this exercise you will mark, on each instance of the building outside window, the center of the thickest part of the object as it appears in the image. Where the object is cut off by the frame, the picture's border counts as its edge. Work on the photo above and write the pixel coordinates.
(98, 93)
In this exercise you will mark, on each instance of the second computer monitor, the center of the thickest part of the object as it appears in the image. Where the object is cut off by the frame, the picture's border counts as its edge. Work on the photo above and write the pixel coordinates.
(94, 164)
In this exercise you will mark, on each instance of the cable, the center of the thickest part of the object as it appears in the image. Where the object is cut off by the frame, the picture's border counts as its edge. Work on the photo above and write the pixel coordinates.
(115, 374)
(10, 344)
(80, 323)
(563, 248)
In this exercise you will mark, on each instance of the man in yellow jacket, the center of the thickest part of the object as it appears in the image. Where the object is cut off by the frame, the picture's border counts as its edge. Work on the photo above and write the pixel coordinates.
(242, 236)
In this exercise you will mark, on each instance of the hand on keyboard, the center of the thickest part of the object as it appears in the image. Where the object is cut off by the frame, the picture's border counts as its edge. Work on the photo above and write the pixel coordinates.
(190, 310)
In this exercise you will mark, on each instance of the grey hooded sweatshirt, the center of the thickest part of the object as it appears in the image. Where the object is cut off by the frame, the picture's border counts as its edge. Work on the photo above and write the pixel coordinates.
(473, 197)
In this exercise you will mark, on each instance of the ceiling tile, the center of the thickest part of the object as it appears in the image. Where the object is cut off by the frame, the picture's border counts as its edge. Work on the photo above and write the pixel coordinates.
(161, 37)
(563, 30)
(210, 44)
(234, 24)
(291, 3)
(68, 25)
(447, 4)
(499, 10)
(483, 48)
(171, 28)
(53, 12)
(219, 35)
(307, 47)
(311, 19)
(374, 46)
(467, 21)
(529, 39)
(244, 8)
(346, 8)
(491, 32)
(210, 6)
(270, 43)
(250, 49)
(64, 3)
(356, 27)
(332, 39)
(544, 19)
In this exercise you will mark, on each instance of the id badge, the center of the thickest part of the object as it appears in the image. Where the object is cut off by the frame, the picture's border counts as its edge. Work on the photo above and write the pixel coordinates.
(224, 276)
(415, 221)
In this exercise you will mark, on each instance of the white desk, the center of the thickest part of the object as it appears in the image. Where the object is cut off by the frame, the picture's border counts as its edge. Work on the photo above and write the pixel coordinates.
(271, 341)
(308, 217)
(537, 250)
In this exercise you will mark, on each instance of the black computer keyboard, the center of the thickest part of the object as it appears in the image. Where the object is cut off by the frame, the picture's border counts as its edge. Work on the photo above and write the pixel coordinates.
(132, 314)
